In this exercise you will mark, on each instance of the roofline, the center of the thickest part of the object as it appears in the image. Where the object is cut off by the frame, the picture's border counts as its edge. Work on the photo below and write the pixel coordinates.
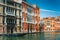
(31, 5)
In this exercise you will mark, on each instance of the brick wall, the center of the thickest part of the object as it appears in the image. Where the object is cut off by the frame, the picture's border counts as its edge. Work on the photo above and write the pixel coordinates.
(35, 18)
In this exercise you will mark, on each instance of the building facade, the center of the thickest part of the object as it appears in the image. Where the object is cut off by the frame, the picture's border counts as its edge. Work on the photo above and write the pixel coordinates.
(48, 24)
(17, 16)
(9, 12)
(57, 23)
(51, 23)
(30, 18)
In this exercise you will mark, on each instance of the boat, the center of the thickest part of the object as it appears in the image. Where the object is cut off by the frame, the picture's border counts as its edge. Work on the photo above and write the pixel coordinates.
(16, 34)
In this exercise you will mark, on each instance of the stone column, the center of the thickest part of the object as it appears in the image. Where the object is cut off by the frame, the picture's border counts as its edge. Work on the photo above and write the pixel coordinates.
(5, 26)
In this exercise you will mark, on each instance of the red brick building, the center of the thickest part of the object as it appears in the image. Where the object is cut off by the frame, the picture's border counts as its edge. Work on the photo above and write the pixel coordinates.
(31, 19)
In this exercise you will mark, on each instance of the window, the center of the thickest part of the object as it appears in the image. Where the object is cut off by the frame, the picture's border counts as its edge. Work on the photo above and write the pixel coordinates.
(1, 9)
(20, 21)
(1, 1)
(9, 10)
(29, 9)
(48, 21)
(10, 3)
(48, 24)
(57, 20)
(10, 21)
(18, 5)
(20, 13)
(29, 18)
(3, 20)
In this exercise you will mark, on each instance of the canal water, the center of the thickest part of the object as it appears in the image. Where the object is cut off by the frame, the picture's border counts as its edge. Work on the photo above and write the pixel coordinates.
(37, 36)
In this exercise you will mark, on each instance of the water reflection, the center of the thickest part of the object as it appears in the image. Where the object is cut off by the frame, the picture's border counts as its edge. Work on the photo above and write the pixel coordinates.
(42, 36)
(33, 36)
(52, 35)
(38, 36)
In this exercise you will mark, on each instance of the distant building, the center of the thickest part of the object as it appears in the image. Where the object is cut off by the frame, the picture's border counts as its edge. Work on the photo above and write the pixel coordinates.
(57, 23)
(51, 23)
(48, 24)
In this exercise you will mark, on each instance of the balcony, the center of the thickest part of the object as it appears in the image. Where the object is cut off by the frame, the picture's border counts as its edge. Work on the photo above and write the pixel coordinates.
(32, 14)
(29, 11)
(18, 1)
(10, 13)
(10, 6)
(30, 22)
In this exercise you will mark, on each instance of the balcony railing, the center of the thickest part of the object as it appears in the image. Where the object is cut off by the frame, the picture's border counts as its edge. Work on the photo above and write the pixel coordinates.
(10, 6)
(18, 1)
(30, 13)
(10, 13)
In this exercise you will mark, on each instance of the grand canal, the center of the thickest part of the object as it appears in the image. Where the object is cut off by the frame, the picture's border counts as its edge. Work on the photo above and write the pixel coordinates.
(38, 36)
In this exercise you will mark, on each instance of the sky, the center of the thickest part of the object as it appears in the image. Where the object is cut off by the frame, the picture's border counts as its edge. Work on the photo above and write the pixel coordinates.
(47, 7)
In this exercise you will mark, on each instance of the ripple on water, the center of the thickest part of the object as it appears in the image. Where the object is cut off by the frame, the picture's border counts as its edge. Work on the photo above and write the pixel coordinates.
(38, 36)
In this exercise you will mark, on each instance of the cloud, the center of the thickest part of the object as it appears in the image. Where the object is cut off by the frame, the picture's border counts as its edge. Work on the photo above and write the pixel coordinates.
(46, 13)
(44, 10)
